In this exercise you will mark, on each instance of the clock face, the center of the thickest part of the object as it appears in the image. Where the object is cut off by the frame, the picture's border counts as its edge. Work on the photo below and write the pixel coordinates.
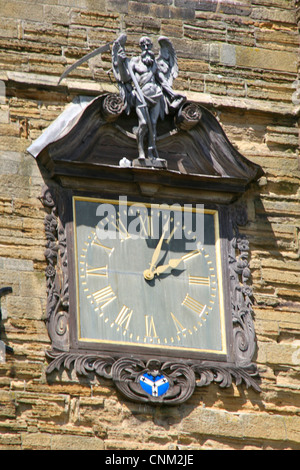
(148, 275)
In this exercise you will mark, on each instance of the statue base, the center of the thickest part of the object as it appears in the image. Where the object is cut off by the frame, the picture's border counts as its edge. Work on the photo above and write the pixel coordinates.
(150, 163)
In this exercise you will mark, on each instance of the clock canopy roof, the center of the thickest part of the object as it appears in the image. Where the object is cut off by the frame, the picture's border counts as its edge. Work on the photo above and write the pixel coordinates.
(94, 139)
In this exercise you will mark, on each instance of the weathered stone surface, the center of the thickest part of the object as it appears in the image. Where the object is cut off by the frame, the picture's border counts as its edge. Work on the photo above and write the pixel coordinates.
(22, 10)
(272, 61)
(76, 443)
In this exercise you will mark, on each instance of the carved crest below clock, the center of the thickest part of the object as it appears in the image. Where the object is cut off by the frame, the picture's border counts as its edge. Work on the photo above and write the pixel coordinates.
(161, 313)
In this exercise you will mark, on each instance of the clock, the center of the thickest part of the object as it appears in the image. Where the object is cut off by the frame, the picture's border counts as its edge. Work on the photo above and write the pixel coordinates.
(152, 289)
(148, 275)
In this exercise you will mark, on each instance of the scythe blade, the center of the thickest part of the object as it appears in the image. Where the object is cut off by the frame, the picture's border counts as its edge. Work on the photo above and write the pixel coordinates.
(88, 56)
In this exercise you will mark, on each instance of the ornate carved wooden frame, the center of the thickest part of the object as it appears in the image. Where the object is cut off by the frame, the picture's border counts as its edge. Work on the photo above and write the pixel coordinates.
(127, 371)
(217, 173)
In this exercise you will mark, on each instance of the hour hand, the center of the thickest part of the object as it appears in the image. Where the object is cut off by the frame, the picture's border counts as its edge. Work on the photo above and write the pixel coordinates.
(150, 273)
(173, 263)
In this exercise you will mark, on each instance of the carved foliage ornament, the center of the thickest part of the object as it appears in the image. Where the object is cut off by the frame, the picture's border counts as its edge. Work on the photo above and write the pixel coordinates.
(151, 380)
(57, 311)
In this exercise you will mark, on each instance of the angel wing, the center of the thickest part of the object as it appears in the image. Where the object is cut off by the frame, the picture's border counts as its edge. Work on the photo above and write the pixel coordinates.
(117, 46)
(167, 60)
(125, 88)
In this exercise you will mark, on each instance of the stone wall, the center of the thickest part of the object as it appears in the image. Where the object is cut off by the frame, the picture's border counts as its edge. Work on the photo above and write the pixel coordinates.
(238, 58)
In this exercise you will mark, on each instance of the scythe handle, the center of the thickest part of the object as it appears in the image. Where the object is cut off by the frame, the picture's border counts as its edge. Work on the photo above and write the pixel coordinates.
(144, 105)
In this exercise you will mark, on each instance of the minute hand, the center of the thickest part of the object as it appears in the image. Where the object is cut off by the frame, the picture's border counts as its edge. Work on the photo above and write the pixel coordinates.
(158, 247)
(157, 252)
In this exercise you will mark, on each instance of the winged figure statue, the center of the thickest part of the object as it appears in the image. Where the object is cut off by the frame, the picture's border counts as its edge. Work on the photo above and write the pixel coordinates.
(145, 84)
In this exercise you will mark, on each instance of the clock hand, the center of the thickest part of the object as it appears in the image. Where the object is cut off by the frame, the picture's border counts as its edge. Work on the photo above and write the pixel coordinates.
(173, 263)
(159, 245)
(157, 252)
(149, 273)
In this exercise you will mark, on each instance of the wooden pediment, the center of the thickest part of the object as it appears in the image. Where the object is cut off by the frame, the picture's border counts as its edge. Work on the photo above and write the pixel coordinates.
(97, 141)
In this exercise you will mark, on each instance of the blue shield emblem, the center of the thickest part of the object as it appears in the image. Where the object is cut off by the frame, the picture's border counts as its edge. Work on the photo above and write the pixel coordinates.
(154, 386)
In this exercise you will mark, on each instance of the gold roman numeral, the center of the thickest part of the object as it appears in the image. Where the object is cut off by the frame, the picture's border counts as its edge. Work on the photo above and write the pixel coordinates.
(180, 328)
(199, 281)
(150, 327)
(124, 316)
(101, 271)
(104, 296)
(193, 304)
(96, 242)
(190, 255)
(145, 228)
(121, 229)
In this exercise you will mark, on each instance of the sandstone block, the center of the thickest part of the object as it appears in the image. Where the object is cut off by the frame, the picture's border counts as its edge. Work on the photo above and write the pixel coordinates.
(56, 14)
(172, 28)
(7, 405)
(276, 353)
(22, 10)
(9, 29)
(4, 114)
(228, 54)
(36, 441)
(292, 424)
(17, 264)
(277, 276)
(45, 33)
(96, 5)
(266, 59)
(95, 19)
(117, 5)
(76, 443)
(264, 426)
(212, 422)
(274, 14)
(10, 441)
